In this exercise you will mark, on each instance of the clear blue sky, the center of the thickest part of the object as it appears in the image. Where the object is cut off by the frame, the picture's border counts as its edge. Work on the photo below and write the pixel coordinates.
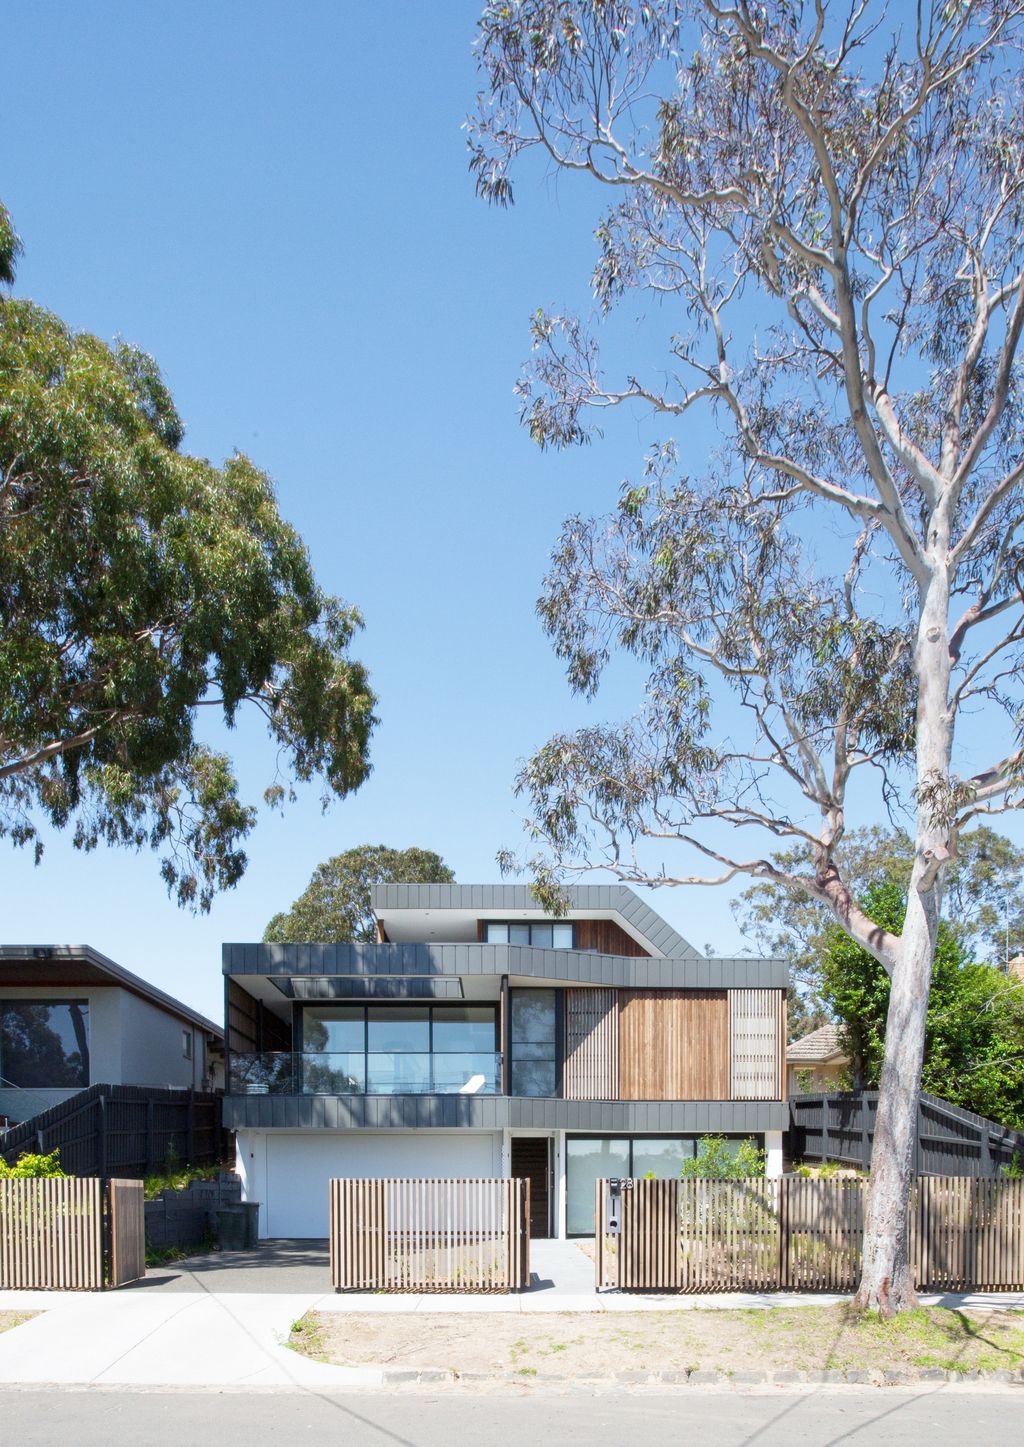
(274, 201)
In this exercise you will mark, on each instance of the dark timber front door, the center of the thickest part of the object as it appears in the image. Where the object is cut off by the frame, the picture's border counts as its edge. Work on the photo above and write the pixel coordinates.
(530, 1160)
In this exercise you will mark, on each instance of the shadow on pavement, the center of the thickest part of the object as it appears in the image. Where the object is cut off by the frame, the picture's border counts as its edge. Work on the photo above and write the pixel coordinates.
(279, 1267)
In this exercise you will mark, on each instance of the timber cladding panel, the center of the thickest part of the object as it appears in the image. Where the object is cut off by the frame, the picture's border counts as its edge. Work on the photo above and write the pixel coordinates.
(591, 1045)
(757, 1044)
(607, 937)
(673, 1045)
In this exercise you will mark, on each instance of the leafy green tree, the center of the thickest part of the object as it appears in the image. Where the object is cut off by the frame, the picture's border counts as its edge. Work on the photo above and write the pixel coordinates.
(334, 908)
(140, 586)
(974, 1028)
(821, 212)
(983, 904)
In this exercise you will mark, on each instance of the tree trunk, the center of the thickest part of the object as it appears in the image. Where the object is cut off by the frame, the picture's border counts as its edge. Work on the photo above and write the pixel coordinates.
(887, 1283)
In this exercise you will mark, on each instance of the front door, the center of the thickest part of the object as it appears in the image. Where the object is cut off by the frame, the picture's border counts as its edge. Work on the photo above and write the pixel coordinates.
(530, 1160)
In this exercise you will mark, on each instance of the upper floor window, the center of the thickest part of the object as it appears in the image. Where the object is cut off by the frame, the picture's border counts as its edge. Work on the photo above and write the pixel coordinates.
(543, 936)
(44, 1043)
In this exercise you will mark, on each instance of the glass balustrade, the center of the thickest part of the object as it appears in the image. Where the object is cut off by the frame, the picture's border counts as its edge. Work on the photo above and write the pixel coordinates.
(356, 1072)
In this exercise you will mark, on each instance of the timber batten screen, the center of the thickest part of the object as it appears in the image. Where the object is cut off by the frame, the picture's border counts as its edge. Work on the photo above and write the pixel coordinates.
(757, 1045)
(797, 1234)
(446, 1235)
(70, 1233)
(591, 1069)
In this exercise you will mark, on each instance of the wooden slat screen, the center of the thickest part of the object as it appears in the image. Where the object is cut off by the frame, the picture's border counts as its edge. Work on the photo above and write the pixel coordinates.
(430, 1235)
(795, 1234)
(51, 1234)
(757, 1044)
(591, 1045)
(673, 1045)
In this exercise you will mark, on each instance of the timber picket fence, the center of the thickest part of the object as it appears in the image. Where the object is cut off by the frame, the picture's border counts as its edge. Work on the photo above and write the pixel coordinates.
(447, 1235)
(796, 1234)
(71, 1234)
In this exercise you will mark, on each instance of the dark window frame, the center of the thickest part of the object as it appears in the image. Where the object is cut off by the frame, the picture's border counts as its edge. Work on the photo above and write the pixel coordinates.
(300, 1031)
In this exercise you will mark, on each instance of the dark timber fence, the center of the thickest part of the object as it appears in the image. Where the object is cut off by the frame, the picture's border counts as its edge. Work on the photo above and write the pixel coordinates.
(125, 1130)
(950, 1141)
(795, 1234)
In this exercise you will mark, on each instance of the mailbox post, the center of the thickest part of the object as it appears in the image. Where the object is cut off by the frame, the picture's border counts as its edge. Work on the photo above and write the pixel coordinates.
(616, 1186)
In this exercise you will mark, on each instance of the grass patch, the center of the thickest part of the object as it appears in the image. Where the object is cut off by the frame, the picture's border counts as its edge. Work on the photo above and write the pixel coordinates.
(594, 1346)
(307, 1337)
(10, 1319)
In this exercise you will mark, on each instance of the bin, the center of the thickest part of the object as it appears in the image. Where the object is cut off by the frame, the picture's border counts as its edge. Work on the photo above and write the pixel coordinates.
(238, 1226)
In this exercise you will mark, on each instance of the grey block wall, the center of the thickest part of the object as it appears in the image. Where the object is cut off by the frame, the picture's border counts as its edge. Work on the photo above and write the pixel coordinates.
(189, 1217)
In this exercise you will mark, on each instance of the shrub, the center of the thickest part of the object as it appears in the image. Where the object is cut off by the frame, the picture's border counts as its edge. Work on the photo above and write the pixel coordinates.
(29, 1167)
(716, 1161)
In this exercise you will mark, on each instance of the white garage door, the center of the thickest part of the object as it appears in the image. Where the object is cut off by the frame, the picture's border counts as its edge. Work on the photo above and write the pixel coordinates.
(300, 1166)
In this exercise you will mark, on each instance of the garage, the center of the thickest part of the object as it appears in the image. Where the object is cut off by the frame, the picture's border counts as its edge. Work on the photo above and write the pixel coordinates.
(296, 1167)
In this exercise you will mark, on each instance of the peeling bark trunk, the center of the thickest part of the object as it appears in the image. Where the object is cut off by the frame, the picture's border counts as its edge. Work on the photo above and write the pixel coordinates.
(886, 1283)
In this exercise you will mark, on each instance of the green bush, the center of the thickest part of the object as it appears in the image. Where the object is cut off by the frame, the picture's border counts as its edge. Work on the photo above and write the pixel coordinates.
(33, 1167)
(715, 1160)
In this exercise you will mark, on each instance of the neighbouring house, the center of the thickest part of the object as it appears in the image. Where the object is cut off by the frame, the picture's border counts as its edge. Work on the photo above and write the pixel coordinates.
(817, 1062)
(71, 1018)
(480, 1037)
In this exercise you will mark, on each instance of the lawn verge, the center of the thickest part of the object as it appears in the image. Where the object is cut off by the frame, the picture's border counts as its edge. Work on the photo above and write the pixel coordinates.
(824, 1343)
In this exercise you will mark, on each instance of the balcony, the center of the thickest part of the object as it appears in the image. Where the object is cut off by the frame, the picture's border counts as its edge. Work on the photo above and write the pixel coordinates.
(286, 1072)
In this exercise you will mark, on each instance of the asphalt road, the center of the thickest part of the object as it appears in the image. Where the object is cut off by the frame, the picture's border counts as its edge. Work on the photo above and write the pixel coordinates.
(98, 1418)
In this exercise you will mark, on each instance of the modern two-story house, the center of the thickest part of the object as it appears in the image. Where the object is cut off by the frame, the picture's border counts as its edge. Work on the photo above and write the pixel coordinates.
(480, 1037)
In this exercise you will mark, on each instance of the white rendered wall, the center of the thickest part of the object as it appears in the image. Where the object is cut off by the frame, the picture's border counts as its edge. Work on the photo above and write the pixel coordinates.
(152, 1049)
(773, 1153)
(288, 1171)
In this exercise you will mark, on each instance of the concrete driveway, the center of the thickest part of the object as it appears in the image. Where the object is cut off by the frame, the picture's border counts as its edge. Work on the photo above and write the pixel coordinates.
(275, 1268)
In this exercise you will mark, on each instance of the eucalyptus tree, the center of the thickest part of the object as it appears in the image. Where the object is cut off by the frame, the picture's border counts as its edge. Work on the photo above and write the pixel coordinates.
(139, 588)
(826, 202)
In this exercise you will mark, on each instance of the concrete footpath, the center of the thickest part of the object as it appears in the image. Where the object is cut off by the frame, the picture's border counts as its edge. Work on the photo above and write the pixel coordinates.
(222, 1321)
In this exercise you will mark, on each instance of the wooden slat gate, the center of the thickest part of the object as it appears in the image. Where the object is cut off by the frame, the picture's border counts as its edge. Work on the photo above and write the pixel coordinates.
(796, 1234)
(71, 1234)
(430, 1235)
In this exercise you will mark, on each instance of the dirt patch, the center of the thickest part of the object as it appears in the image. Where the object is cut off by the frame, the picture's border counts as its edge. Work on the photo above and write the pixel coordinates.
(9, 1319)
(597, 1345)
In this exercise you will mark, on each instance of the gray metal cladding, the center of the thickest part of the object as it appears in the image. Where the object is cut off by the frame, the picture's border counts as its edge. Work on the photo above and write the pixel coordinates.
(513, 897)
(568, 966)
(424, 1112)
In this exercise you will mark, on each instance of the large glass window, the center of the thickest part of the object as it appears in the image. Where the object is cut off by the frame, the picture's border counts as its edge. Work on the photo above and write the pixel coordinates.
(471, 1027)
(333, 1027)
(399, 1050)
(400, 1027)
(591, 1158)
(541, 936)
(44, 1043)
(534, 1048)
(586, 1162)
(661, 1158)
